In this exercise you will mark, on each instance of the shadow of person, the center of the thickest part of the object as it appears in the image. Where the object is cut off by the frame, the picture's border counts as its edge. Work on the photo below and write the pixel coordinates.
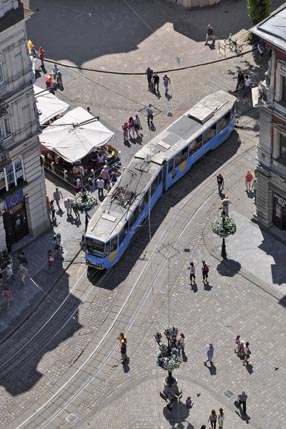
(139, 139)
(222, 195)
(168, 96)
(194, 287)
(249, 368)
(127, 143)
(211, 368)
(211, 46)
(125, 366)
(152, 128)
(185, 357)
(207, 286)
(158, 95)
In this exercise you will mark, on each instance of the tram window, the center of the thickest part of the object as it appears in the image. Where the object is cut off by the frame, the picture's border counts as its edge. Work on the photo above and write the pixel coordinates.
(93, 246)
(107, 248)
(195, 145)
(113, 244)
(223, 122)
(181, 157)
(133, 218)
(170, 165)
(209, 133)
(123, 233)
(160, 177)
(154, 186)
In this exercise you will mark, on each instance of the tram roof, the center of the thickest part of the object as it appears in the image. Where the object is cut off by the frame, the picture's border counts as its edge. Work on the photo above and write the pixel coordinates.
(118, 205)
(185, 129)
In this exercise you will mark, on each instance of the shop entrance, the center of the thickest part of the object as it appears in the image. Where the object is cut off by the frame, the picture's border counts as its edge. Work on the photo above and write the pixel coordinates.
(15, 223)
(279, 211)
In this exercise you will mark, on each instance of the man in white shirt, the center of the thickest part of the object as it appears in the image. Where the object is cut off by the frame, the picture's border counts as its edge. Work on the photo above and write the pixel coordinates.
(247, 85)
(149, 112)
(100, 186)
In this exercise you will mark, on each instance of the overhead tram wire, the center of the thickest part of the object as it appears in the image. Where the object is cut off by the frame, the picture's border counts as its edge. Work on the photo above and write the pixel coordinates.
(171, 70)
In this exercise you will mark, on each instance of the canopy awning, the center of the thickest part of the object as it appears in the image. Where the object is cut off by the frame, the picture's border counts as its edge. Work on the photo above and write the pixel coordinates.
(48, 105)
(75, 135)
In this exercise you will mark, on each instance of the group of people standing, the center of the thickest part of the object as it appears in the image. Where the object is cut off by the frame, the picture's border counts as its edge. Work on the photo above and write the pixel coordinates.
(204, 270)
(54, 80)
(132, 129)
(153, 80)
(243, 83)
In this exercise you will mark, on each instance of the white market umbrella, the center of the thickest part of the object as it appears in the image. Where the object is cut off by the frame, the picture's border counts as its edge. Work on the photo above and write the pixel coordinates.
(48, 105)
(75, 135)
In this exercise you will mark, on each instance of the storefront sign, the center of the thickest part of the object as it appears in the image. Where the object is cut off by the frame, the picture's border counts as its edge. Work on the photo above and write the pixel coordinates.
(14, 199)
(281, 201)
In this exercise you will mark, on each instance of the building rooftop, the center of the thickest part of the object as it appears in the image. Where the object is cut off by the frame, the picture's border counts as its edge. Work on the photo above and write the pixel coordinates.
(13, 16)
(272, 29)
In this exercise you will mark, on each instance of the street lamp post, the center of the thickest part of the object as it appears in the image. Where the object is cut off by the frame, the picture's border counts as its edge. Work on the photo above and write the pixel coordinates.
(224, 226)
(169, 358)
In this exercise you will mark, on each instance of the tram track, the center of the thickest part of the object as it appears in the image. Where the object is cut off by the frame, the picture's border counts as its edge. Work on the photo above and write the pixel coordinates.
(131, 321)
(28, 356)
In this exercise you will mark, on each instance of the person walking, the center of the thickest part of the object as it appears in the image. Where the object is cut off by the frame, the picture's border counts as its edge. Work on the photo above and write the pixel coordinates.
(8, 296)
(149, 74)
(131, 128)
(23, 274)
(76, 212)
(247, 353)
(189, 403)
(247, 85)
(68, 205)
(50, 258)
(192, 273)
(105, 176)
(53, 213)
(125, 131)
(253, 188)
(220, 183)
(210, 354)
(123, 347)
(220, 418)
(9, 271)
(225, 205)
(213, 419)
(205, 272)
(156, 81)
(57, 198)
(248, 181)
(137, 125)
(240, 81)
(149, 112)
(87, 217)
(242, 398)
(237, 342)
(100, 186)
(210, 35)
(167, 82)
(181, 344)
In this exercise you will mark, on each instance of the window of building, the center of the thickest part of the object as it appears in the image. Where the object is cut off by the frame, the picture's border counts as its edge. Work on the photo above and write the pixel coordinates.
(283, 88)
(1, 73)
(283, 146)
(11, 175)
(5, 128)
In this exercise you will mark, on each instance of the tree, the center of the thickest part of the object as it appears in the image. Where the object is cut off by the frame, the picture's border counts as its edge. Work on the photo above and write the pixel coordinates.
(258, 10)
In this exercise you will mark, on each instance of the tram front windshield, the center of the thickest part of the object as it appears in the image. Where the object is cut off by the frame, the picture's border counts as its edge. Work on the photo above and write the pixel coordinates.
(94, 247)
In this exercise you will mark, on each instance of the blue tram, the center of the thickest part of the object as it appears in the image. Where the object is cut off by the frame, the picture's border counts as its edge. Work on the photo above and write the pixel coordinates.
(152, 171)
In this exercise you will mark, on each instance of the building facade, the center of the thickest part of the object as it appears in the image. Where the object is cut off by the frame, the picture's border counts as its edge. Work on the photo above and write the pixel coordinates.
(271, 168)
(23, 208)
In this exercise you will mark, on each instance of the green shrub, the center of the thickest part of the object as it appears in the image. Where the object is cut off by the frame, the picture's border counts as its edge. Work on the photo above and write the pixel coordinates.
(258, 10)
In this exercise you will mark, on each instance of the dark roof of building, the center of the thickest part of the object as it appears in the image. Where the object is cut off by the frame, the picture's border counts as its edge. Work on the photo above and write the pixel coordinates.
(272, 29)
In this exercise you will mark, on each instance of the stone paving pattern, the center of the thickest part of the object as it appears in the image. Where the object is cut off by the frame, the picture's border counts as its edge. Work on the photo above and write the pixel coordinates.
(235, 303)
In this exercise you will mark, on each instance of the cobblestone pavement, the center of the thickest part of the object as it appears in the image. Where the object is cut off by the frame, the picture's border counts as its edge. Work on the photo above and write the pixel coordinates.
(70, 376)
